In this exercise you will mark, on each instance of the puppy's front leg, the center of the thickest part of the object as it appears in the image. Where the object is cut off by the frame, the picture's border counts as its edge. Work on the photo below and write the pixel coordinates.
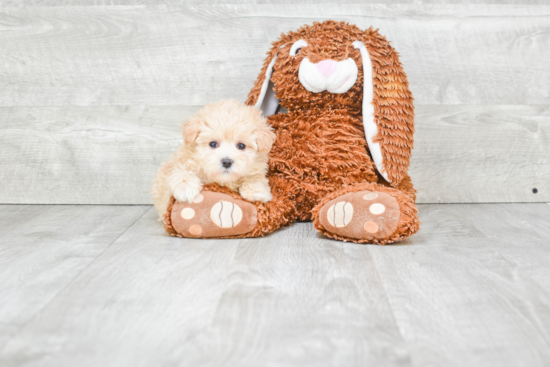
(256, 190)
(184, 186)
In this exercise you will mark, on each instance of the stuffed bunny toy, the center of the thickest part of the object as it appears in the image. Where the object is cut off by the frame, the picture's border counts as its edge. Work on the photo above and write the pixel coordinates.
(343, 146)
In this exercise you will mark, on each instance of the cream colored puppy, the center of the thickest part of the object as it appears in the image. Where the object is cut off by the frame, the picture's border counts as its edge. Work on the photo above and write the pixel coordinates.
(227, 143)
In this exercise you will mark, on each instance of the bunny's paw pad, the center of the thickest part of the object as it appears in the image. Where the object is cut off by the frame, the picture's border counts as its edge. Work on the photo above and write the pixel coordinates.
(213, 214)
(363, 215)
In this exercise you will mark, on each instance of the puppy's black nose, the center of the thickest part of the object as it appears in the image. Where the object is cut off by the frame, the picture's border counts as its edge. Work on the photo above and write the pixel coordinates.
(226, 162)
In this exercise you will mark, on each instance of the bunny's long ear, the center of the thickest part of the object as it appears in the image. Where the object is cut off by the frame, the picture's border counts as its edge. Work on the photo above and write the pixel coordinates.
(388, 111)
(262, 95)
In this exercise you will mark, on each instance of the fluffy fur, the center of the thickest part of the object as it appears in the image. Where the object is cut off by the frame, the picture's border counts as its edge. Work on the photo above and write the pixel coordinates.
(320, 149)
(393, 102)
(321, 152)
(228, 125)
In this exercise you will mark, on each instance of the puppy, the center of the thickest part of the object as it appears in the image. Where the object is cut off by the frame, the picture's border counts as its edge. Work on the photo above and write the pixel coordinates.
(227, 143)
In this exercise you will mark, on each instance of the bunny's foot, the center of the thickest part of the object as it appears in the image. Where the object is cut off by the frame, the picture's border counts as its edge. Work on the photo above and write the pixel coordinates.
(210, 215)
(375, 215)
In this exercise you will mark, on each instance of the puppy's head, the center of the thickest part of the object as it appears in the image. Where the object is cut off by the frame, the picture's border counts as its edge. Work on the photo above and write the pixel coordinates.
(229, 138)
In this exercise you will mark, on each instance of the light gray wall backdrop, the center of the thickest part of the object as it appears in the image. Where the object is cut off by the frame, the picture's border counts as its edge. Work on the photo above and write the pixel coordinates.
(93, 93)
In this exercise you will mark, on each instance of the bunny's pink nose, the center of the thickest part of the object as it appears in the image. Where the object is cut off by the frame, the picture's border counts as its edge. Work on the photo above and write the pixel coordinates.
(327, 67)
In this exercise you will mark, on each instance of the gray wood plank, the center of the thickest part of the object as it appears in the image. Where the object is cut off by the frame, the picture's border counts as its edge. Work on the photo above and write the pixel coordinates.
(482, 154)
(192, 54)
(15, 3)
(110, 154)
(290, 299)
(472, 288)
(85, 155)
(43, 249)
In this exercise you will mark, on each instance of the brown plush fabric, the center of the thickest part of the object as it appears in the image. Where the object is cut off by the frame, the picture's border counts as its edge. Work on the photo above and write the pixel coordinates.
(320, 152)
(278, 212)
(362, 215)
(393, 101)
(407, 225)
(197, 219)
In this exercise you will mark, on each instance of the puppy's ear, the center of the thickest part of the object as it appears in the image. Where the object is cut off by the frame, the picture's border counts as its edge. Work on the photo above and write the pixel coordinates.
(265, 137)
(191, 129)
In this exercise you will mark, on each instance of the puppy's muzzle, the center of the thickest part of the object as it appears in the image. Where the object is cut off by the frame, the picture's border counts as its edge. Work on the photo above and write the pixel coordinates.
(226, 162)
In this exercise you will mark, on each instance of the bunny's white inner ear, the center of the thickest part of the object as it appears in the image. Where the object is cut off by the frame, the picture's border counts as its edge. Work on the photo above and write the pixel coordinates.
(368, 110)
(267, 102)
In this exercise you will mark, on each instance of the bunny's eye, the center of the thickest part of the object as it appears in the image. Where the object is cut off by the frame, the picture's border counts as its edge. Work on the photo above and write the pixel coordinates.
(297, 47)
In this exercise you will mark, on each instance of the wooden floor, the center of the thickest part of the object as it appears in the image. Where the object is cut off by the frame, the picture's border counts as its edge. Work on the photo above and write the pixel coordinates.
(105, 286)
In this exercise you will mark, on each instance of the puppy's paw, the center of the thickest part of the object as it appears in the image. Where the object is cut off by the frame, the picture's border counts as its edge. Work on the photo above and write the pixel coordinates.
(186, 192)
(256, 191)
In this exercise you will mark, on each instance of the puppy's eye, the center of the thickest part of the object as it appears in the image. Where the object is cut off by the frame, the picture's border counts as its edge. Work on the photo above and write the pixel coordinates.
(297, 47)
(213, 144)
(241, 146)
